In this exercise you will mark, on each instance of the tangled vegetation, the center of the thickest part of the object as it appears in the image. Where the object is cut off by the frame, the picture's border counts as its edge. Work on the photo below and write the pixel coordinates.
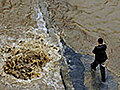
(26, 59)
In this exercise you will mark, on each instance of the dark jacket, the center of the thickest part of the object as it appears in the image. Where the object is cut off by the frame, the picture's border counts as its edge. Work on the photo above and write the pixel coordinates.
(100, 54)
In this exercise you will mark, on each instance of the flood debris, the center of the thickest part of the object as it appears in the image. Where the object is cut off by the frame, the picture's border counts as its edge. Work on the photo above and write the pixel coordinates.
(26, 59)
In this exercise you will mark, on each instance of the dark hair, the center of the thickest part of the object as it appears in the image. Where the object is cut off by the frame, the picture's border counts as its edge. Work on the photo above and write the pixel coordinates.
(100, 40)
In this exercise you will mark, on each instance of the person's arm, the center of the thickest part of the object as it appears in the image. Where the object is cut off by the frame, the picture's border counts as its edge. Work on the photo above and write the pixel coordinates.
(105, 46)
(94, 50)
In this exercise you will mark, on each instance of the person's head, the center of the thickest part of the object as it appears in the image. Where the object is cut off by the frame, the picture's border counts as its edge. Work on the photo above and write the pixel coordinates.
(100, 41)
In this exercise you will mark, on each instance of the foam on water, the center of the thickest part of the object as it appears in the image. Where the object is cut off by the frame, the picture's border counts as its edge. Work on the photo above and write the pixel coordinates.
(49, 68)
(40, 21)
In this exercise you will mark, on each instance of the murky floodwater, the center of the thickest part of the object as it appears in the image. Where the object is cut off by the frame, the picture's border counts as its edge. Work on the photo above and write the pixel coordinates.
(22, 22)
(81, 22)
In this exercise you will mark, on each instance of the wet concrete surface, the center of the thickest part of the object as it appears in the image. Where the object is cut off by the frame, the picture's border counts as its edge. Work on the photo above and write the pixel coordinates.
(82, 76)
(75, 67)
(93, 79)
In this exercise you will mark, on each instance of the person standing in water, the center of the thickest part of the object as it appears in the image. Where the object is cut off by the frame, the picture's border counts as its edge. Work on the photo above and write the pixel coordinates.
(100, 58)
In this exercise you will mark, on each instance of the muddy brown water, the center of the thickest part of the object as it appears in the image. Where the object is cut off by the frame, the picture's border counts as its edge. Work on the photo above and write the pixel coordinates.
(82, 22)
(16, 18)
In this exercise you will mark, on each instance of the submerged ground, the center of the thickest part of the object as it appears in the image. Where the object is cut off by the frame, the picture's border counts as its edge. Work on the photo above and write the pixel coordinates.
(82, 22)
(79, 23)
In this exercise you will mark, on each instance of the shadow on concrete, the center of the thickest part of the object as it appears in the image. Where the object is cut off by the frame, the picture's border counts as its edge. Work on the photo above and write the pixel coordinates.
(80, 72)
